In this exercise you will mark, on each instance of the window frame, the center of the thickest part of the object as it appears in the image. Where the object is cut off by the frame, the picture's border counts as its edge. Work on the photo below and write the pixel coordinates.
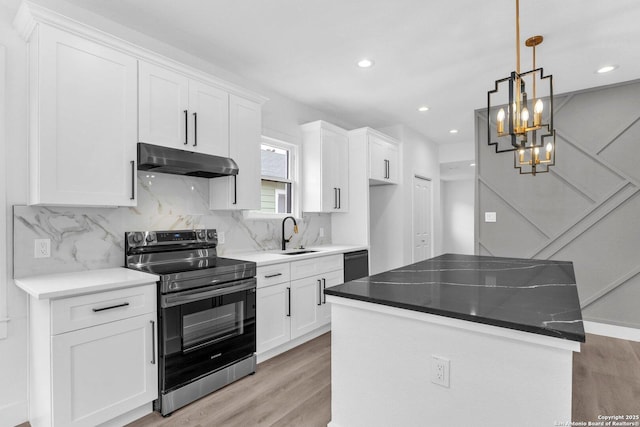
(294, 180)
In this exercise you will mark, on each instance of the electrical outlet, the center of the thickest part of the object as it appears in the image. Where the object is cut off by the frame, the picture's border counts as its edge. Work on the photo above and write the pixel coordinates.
(440, 368)
(42, 248)
(321, 232)
(220, 237)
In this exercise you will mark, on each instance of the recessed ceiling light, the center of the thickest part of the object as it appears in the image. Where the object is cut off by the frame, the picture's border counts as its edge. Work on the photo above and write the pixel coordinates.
(423, 108)
(606, 69)
(453, 131)
(472, 164)
(365, 63)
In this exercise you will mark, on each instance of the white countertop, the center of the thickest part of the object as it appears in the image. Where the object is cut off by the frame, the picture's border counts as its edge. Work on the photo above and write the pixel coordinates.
(61, 285)
(262, 258)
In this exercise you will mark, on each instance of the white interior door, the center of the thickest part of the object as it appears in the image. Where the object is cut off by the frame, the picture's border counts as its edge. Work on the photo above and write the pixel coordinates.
(421, 219)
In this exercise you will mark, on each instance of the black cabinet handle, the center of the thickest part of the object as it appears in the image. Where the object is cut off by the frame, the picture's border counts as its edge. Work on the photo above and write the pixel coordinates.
(153, 342)
(186, 127)
(124, 304)
(133, 180)
(339, 198)
(195, 129)
(288, 302)
(235, 189)
(324, 287)
(273, 275)
(335, 198)
(319, 292)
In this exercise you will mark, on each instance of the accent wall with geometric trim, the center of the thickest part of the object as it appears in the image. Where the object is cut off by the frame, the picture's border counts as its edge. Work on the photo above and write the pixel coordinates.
(586, 209)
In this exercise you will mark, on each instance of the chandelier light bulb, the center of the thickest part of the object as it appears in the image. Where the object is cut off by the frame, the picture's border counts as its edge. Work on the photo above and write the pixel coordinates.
(500, 123)
(537, 112)
(538, 107)
(549, 148)
(524, 116)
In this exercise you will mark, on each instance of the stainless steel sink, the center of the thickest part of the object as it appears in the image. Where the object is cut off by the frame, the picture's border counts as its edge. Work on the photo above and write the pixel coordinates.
(305, 251)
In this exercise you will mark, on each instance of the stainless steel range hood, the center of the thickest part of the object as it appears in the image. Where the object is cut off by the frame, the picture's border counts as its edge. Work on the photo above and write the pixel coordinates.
(180, 162)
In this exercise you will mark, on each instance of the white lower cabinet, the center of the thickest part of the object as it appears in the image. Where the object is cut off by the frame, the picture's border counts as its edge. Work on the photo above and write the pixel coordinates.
(274, 321)
(291, 303)
(102, 371)
(93, 357)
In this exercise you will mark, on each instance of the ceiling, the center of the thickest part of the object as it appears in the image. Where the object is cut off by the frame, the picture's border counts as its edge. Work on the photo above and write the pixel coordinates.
(443, 54)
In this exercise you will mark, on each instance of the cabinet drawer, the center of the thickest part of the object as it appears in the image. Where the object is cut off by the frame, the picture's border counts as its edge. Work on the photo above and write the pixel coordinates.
(272, 274)
(313, 266)
(70, 314)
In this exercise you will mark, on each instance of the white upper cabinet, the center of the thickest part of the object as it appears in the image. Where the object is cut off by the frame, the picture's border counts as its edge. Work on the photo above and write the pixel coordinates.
(163, 108)
(209, 111)
(182, 113)
(383, 159)
(83, 127)
(243, 190)
(325, 160)
(93, 97)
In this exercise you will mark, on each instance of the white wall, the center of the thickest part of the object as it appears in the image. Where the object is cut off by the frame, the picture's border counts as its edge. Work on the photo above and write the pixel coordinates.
(13, 349)
(391, 214)
(457, 152)
(281, 118)
(458, 216)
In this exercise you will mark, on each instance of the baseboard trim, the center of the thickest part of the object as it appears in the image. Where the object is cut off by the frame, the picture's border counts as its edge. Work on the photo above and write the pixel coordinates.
(612, 331)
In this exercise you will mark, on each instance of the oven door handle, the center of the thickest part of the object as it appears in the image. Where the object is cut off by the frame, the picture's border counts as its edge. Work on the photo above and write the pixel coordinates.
(200, 294)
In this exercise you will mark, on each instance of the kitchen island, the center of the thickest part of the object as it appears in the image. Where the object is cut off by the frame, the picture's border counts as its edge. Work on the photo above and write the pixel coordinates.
(456, 340)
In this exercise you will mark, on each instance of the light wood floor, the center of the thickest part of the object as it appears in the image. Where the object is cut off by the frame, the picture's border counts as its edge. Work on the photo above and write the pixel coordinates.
(294, 389)
(606, 378)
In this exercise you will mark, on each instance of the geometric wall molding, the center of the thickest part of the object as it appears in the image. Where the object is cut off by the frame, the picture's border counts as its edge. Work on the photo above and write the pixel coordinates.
(587, 210)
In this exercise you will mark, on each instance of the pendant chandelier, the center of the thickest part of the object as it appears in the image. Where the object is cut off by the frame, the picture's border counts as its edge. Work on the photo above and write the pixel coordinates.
(511, 126)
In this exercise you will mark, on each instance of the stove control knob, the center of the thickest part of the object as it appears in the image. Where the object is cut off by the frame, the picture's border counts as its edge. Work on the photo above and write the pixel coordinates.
(201, 234)
(150, 238)
(211, 234)
(137, 237)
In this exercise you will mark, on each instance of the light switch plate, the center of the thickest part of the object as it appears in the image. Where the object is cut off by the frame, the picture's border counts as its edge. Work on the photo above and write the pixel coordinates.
(490, 217)
(221, 237)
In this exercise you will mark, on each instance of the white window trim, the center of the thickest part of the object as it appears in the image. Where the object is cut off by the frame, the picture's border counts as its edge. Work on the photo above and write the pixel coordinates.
(4, 304)
(294, 174)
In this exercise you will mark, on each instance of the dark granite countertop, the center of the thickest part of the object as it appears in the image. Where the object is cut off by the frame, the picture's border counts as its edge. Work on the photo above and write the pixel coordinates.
(535, 296)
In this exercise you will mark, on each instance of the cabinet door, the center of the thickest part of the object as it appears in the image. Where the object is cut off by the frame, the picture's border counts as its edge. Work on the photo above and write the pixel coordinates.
(164, 107)
(377, 159)
(209, 119)
(272, 316)
(306, 300)
(393, 158)
(335, 160)
(383, 161)
(241, 191)
(104, 370)
(332, 278)
(83, 139)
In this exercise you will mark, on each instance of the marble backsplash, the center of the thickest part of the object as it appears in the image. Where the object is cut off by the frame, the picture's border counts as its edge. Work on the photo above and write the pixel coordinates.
(92, 238)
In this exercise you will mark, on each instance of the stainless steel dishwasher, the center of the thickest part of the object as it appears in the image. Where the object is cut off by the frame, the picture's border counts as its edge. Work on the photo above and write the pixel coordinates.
(356, 265)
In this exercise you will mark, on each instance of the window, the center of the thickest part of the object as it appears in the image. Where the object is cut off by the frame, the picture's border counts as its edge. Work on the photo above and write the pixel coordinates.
(278, 176)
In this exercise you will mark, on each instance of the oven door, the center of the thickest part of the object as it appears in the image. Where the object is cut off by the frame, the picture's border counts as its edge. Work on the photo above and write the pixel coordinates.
(204, 330)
